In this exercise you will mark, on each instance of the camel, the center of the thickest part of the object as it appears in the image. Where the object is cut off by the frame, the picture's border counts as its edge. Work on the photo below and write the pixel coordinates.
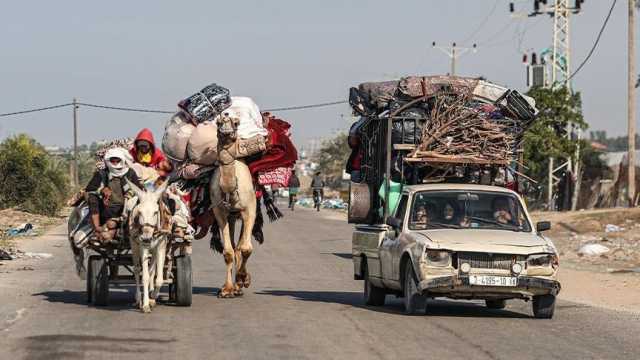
(232, 197)
(148, 244)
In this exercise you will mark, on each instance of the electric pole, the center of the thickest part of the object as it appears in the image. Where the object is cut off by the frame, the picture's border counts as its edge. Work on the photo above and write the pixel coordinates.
(631, 106)
(560, 64)
(454, 52)
(76, 177)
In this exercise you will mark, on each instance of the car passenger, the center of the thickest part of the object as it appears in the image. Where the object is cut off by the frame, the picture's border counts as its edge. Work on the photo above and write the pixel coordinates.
(501, 211)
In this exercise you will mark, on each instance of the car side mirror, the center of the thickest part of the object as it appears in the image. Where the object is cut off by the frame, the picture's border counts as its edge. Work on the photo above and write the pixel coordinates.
(394, 222)
(543, 226)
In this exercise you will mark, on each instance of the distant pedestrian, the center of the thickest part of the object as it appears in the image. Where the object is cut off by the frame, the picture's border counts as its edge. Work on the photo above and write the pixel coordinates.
(294, 186)
(317, 185)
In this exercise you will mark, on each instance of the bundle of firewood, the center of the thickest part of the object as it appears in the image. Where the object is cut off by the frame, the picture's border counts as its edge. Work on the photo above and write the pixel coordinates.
(459, 130)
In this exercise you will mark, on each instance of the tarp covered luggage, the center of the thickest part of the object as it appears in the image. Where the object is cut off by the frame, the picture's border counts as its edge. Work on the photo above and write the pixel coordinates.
(203, 144)
(207, 103)
(176, 136)
(251, 146)
(250, 118)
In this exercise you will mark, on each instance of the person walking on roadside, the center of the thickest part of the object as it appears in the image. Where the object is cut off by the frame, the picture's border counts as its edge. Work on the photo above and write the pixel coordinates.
(294, 186)
(317, 185)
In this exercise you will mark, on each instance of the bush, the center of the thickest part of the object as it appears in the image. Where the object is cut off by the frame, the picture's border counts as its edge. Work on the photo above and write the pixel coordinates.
(30, 178)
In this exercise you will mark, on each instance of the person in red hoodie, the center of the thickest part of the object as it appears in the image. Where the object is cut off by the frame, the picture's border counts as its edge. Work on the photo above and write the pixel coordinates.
(145, 152)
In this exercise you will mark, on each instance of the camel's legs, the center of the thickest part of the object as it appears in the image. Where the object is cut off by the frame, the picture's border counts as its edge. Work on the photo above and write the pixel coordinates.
(244, 249)
(223, 223)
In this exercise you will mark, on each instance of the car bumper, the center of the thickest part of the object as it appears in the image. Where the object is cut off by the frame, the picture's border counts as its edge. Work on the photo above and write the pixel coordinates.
(459, 287)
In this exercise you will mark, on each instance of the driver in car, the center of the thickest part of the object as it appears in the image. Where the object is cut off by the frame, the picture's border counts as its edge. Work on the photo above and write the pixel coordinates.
(421, 217)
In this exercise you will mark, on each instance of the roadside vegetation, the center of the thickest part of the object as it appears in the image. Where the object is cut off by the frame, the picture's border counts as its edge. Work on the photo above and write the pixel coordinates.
(31, 180)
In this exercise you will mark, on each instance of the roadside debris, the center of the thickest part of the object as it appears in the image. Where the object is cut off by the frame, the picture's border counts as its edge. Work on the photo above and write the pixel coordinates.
(593, 250)
(613, 228)
(623, 271)
(24, 229)
(5, 255)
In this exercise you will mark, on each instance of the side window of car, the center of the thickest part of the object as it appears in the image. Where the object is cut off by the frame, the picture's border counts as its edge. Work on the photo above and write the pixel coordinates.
(402, 208)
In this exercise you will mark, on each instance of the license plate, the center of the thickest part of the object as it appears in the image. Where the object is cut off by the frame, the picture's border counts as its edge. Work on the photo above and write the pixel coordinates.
(485, 280)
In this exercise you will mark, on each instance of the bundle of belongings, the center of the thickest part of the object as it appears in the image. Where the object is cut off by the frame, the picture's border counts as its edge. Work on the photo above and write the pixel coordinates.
(263, 142)
(440, 122)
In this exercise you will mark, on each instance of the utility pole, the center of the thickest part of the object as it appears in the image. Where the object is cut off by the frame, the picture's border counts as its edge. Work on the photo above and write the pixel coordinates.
(454, 52)
(631, 106)
(560, 63)
(76, 177)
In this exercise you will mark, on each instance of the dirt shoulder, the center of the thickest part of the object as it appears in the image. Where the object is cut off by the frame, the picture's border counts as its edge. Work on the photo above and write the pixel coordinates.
(11, 219)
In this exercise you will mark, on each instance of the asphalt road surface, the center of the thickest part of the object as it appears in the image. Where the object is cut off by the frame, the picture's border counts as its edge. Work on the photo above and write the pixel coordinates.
(303, 303)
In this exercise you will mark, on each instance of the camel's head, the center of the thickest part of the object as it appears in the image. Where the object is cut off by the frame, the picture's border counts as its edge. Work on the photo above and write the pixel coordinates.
(146, 214)
(227, 126)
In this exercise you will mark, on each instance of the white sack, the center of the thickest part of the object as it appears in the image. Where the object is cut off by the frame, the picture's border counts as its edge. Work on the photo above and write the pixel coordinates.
(203, 144)
(176, 136)
(250, 118)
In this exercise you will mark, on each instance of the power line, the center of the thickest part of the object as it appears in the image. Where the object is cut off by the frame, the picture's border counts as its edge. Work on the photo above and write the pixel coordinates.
(36, 109)
(595, 44)
(308, 106)
(126, 108)
(482, 23)
(121, 108)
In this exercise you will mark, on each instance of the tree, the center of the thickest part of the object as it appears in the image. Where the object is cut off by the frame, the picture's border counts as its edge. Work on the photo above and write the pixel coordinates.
(547, 138)
(333, 156)
(30, 178)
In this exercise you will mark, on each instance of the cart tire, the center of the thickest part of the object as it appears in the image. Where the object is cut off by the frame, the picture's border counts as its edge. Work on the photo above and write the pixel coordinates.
(373, 295)
(182, 284)
(100, 272)
(91, 278)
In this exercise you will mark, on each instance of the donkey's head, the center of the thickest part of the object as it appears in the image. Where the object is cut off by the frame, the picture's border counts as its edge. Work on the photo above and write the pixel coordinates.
(227, 127)
(146, 214)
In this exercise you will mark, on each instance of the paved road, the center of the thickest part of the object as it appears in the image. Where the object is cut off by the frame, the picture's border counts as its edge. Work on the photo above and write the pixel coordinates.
(303, 304)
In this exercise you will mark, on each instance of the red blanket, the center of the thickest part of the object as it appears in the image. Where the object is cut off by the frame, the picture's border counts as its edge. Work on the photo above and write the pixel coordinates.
(280, 153)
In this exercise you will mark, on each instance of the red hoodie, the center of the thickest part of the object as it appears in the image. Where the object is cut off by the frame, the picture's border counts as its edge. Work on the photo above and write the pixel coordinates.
(157, 157)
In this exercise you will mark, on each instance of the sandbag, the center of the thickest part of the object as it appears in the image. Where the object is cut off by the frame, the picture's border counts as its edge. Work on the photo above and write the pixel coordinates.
(177, 132)
(250, 118)
(203, 144)
(207, 103)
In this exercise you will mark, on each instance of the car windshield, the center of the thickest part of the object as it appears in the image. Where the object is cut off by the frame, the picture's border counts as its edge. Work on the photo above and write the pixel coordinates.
(467, 209)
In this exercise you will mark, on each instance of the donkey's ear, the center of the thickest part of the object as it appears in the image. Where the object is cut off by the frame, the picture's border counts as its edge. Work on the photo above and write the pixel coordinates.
(161, 189)
(139, 192)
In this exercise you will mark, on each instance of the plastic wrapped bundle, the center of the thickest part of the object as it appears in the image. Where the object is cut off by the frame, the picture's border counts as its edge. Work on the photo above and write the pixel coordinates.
(203, 144)
(206, 104)
(248, 112)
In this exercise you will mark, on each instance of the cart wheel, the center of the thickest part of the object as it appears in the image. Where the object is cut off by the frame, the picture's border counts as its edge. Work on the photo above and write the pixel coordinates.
(182, 281)
(99, 271)
(91, 277)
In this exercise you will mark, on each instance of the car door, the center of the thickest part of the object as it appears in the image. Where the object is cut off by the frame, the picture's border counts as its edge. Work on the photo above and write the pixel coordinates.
(390, 244)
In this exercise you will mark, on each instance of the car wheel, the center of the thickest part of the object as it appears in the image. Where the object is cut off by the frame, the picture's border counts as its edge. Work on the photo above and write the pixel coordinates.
(373, 295)
(544, 306)
(414, 302)
(496, 304)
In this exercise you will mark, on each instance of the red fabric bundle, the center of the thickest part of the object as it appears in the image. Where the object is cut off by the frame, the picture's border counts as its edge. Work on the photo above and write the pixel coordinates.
(280, 152)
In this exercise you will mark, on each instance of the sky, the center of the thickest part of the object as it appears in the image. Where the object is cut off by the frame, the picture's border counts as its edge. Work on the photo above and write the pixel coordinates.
(151, 54)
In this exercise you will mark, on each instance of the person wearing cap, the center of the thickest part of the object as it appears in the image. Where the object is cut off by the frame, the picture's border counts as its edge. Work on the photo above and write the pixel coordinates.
(106, 193)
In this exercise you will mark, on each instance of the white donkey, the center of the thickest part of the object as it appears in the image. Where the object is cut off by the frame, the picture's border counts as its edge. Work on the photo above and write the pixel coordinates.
(148, 244)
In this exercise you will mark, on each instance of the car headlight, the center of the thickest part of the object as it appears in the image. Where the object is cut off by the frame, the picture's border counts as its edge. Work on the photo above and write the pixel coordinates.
(438, 258)
(543, 260)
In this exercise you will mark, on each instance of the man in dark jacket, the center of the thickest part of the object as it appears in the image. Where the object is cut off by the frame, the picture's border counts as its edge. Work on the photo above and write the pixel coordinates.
(106, 193)
(317, 185)
(294, 186)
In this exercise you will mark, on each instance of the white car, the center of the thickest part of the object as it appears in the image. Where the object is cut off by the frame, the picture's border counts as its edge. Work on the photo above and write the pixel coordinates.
(458, 241)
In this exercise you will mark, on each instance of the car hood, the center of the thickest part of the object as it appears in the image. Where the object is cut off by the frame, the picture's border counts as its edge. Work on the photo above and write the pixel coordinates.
(485, 240)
